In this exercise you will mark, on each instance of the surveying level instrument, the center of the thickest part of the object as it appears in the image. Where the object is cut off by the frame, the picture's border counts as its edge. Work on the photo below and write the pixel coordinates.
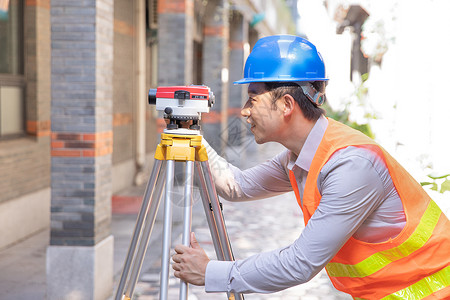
(178, 144)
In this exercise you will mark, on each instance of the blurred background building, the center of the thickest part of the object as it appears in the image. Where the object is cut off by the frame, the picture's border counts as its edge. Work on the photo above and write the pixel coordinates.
(75, 126)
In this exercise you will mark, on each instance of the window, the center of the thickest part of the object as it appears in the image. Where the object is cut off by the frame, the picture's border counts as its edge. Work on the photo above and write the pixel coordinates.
(12, 81)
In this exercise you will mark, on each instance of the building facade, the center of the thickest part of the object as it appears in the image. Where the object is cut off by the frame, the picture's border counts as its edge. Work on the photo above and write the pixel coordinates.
(75, 126)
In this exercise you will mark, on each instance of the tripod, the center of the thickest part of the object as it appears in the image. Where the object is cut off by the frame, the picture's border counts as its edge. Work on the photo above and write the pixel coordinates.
(174, 147)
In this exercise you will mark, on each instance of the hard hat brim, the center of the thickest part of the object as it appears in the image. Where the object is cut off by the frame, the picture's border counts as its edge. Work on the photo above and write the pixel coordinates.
(250, 80)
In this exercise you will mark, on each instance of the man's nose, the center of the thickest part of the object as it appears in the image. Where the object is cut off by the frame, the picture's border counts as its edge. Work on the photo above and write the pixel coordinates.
(245, 111)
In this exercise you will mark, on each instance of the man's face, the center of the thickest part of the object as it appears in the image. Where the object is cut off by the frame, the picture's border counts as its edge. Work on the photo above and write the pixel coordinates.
(262, 114)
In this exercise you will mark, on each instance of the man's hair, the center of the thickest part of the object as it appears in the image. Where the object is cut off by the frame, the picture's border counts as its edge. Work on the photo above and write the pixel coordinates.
(310, 110)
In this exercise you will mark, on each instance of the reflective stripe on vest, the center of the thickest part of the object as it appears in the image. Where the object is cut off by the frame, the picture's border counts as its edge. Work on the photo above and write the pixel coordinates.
(423, 288)
(381, 259)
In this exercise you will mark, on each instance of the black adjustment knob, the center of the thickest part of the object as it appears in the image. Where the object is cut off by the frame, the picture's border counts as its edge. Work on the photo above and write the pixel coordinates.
(194, 125)
(168, 110)
(172, 124)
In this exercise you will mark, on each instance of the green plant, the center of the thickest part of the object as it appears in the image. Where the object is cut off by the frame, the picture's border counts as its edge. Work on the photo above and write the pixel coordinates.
(439, 183)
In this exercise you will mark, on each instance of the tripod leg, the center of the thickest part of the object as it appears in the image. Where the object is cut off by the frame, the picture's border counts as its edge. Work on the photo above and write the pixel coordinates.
(209, 216)
(167, 230)
(146, 233)
(186, 240)
(138, 227)
(216, 211)
(218, 217)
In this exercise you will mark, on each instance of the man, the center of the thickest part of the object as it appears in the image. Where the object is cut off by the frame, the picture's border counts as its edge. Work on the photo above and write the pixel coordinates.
(373, 228)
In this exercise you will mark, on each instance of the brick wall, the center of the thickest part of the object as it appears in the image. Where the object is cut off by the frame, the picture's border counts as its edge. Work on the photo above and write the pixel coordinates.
(124, 81)
(237, 93)
(25, 167)
(25, 162)
(215, 62)
(175, 42)
(124, 94)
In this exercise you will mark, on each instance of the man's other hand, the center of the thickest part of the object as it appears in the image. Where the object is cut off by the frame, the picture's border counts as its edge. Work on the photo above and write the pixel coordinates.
(190, 262)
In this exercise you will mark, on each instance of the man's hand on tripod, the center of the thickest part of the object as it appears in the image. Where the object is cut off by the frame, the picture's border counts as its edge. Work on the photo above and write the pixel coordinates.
(190, 262)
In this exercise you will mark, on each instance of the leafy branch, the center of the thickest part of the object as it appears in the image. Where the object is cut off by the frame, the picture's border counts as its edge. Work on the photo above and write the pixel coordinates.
(439, 183)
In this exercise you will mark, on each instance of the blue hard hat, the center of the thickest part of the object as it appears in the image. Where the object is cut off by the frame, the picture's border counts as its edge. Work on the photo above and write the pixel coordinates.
(283, 58)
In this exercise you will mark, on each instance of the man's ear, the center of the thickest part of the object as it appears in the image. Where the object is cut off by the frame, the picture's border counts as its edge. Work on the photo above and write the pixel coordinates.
(288, 105)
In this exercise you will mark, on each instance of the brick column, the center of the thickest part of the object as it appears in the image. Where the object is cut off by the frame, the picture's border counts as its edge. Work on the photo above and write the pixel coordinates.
(238, 93)
(216, 70)
(175, 42)
(80, 255)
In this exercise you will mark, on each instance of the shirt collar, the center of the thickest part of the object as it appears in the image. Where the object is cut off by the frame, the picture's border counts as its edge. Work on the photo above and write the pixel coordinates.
(312, 142)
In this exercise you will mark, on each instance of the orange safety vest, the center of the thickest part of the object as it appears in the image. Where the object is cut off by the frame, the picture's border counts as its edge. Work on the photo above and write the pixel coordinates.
(413, 265)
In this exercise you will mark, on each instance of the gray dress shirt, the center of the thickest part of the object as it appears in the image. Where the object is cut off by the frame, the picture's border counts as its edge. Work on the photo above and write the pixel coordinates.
(358, 199)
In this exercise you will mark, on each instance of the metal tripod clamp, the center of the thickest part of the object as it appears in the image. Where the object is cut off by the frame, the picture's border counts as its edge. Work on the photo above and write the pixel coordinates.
(181, 148)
